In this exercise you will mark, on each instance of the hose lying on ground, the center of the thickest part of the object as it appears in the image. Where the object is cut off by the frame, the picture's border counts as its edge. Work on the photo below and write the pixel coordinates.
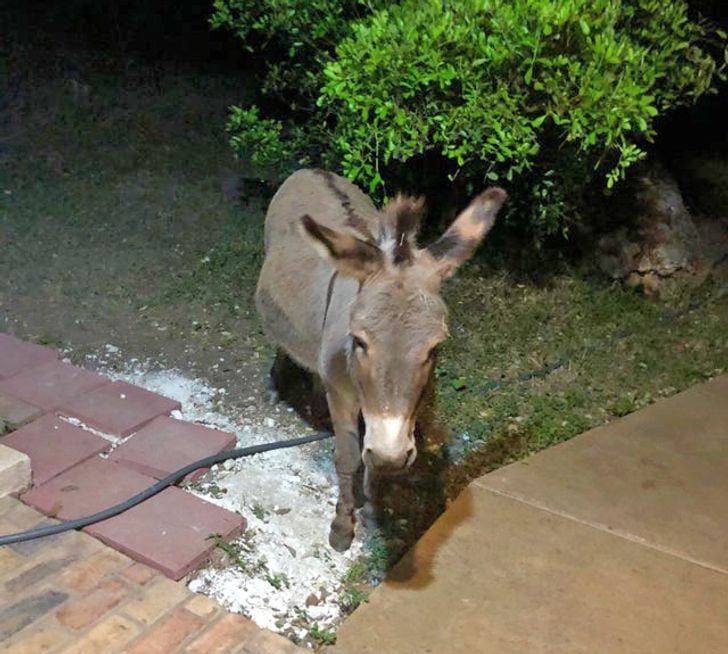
(169, 480)
(77, 523)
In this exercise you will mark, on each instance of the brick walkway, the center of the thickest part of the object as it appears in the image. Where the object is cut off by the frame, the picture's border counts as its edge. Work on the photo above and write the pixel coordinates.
(93, 443)
(71, 594)
(80, 443)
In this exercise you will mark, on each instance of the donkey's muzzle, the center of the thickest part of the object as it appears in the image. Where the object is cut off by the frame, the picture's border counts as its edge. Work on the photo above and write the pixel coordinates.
(389, 444)
(389, 462)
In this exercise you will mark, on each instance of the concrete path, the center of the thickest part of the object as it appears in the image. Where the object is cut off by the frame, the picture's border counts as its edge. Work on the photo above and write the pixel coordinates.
(614, 542)
(72, 593)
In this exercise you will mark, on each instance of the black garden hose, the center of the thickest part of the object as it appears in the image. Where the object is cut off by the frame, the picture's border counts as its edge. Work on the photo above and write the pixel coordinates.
(169, 480)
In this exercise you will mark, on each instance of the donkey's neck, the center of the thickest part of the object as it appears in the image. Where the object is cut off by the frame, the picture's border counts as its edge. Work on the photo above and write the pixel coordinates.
(335, 329)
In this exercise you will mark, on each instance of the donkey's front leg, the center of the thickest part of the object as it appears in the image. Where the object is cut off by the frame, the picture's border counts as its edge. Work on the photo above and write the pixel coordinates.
(345, 416)
(372, 490)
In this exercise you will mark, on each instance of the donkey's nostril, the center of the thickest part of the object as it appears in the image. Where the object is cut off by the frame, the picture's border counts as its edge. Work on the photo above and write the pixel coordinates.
(388, 460)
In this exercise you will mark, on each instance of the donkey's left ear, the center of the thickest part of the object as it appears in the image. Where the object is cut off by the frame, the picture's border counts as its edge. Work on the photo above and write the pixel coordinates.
(461, 239)
(351, 256)
(402, 218)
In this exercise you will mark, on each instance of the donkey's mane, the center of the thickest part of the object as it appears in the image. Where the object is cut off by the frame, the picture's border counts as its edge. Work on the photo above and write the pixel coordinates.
(399, 221)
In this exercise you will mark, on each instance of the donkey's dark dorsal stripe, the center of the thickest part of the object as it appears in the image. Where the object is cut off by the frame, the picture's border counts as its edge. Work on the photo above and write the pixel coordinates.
(352, 218)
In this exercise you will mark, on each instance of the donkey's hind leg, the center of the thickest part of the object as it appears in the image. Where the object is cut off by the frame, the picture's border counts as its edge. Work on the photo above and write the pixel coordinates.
(301, 389)
(277, 370)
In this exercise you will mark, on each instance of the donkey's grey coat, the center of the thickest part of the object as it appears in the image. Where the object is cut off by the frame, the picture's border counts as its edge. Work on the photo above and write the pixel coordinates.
(346, 292)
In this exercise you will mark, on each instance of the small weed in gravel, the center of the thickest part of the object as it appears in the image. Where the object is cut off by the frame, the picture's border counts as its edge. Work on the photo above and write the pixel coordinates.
(322, 636)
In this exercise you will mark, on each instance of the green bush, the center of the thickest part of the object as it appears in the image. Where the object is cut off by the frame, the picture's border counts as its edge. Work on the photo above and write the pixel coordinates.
(544, 96)
(295, 36)
(294, 39)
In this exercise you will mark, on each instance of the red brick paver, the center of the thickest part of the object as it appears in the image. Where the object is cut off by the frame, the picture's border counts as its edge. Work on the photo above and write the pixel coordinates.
(171, 532)
(86, 574)
(223, 637)
(15, 413)
(92, 606)
(166, 445)
(158, 598)
(138, 573)
(88, 608)
(169, 634)
(50, 385)
(107, 636)
(118, 408)
(54, 446)
(17, 355)
(270, 643)
(70, 593)
(89, 487)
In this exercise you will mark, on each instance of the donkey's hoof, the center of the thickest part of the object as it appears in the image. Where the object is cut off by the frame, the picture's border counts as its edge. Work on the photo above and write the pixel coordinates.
(340, 538)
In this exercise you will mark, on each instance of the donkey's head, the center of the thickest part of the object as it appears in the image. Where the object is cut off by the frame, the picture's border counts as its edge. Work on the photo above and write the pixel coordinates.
(398, 318)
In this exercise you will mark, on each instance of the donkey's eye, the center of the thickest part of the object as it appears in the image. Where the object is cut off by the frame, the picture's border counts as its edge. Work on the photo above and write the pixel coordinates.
(359, 344)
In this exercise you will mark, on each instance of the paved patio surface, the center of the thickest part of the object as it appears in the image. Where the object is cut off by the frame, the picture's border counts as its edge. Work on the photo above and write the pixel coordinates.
(71, 594)
(90, 443)
(80, 443)
(614, 542)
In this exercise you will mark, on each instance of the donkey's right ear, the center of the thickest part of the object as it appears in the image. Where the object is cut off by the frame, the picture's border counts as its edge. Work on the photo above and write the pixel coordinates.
(458, 243)
(351, 256)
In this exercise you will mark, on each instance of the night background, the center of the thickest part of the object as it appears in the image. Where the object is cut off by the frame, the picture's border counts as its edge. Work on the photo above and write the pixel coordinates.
(139, 149)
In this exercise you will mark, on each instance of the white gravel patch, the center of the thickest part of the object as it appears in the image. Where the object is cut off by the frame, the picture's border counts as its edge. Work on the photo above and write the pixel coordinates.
(292, 577)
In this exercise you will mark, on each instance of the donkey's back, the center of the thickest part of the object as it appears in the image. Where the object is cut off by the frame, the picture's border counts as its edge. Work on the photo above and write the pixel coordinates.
(293, 286)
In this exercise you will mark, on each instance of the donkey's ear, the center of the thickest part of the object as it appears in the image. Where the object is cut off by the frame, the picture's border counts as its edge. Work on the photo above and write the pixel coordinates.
(402, 218)
(459, 242)
(351, 256)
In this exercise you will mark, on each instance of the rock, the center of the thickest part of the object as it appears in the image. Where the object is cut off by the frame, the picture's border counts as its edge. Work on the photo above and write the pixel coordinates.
(291, 550)
(312, 600)
(220, 559)
(664, 243)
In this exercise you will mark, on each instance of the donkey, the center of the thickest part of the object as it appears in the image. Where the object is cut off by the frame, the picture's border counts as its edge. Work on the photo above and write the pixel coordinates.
(347, 294)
